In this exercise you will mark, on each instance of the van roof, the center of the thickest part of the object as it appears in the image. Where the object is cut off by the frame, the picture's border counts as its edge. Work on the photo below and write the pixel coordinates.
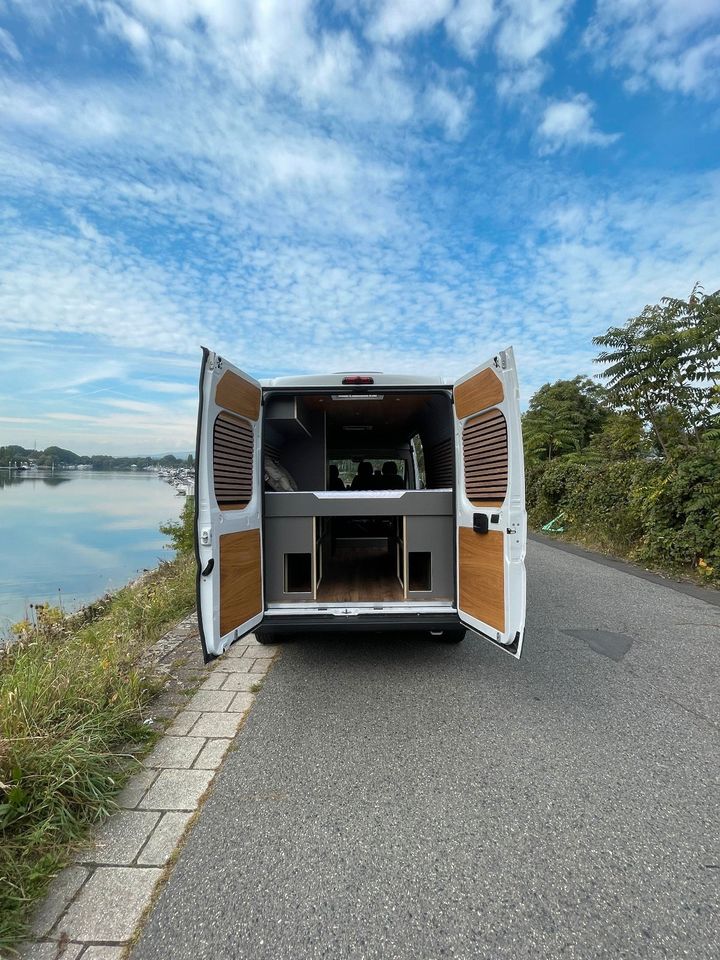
(378, 380)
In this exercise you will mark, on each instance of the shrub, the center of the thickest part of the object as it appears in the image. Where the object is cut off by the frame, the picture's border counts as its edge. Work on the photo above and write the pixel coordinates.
(662, 514)
(182, 531)
(681, 515)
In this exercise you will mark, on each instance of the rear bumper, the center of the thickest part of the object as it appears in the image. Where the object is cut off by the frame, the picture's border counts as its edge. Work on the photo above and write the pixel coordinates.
(287, 623)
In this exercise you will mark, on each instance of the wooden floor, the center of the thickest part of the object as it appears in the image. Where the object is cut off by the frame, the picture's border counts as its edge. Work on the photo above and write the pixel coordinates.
(359, 574)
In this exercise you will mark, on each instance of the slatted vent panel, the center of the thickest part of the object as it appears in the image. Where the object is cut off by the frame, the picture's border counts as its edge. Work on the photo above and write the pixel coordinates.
(439, 465)
(485, 453)
(232, 461)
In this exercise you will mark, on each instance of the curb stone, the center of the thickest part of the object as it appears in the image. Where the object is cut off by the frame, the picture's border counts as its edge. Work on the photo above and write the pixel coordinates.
(94, 906)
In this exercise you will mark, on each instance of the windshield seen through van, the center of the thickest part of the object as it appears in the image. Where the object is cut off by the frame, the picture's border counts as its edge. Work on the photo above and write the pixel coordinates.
(368, 473)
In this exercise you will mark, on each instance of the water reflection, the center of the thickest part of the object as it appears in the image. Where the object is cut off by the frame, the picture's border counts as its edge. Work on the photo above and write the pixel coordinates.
(69, 537)
(8, 479)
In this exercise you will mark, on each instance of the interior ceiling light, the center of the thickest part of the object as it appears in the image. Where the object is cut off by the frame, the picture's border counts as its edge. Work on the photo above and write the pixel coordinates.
(356, 426)
(358, 396)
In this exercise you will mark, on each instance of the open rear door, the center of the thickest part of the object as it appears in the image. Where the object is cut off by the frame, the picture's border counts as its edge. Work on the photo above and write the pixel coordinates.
(228, 498)
(490, 503)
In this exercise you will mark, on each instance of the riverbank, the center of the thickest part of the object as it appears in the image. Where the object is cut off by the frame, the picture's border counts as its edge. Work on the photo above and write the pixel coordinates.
(74, 696)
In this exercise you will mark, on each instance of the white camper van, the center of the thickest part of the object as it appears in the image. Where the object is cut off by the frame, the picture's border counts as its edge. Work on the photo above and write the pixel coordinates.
(360, 501)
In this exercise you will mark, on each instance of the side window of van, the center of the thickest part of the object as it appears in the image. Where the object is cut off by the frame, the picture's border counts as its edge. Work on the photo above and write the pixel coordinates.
(485, 457)
(232, 461)
(417, 447)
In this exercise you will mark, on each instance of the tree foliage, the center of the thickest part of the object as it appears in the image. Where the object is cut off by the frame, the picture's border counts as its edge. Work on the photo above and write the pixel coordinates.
(182, 532)
(562, 417)
(60, 457)
(664, 365)
(634, 466)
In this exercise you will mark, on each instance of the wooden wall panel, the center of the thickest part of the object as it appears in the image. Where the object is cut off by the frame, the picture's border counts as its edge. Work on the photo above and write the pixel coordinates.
(439, 465)
(483, 390)
(240, 578)
(238, 395)
(482, 576)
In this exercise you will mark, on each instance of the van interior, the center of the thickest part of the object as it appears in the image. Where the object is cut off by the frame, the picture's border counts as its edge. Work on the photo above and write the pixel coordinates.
(358, 497)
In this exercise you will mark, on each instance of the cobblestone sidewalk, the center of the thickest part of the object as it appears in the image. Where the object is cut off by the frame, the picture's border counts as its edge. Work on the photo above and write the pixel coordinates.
(94, 906)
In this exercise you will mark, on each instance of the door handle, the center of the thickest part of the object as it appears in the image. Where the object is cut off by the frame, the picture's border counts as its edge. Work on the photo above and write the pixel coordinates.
(480, 522)
(208, 569)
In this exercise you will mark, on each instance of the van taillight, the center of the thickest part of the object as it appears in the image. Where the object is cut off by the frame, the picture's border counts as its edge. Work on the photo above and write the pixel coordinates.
(351, 381)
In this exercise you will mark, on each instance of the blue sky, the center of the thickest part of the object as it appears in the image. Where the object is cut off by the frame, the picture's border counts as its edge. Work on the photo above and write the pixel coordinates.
(308, 186)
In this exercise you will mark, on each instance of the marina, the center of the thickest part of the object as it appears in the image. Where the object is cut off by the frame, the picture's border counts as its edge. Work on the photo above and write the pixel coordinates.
(182, 479)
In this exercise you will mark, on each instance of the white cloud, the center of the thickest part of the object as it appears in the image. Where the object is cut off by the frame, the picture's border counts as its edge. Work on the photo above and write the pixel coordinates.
(8, 45)
(397, 20)
(450, 108)
(569, 123)
(696, 70)
(672, 43)
(131, 30)
(20, 419)
(82, 117)
(134, 406)
(469, 23)
(164, 386)
(65, 415)
(57, 283)
(259, 46)
(529, 26)
(519, 83)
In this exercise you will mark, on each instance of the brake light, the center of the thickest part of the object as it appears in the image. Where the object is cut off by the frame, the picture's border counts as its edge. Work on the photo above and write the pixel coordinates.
(357, 379)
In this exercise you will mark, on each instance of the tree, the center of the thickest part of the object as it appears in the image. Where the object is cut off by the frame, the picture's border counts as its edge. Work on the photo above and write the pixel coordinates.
(664, 365)
(562, 417)
(57, 456)
(623, 437)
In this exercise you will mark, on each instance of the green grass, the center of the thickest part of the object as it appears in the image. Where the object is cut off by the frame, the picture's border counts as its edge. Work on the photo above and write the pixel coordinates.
(73, 696)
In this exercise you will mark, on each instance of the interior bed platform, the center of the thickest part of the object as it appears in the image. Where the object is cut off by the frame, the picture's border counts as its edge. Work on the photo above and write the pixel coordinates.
(359, 547)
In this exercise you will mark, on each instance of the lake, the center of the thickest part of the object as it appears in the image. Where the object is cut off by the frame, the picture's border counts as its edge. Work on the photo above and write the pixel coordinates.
(73, 535)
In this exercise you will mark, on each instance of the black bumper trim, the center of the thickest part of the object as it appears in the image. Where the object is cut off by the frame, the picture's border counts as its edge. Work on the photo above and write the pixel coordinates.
(380, 623)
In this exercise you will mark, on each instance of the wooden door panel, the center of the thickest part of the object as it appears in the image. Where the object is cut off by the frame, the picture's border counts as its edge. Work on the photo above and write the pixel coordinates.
(238, 395)
(483, 390)
(240, 578)
(482, 576)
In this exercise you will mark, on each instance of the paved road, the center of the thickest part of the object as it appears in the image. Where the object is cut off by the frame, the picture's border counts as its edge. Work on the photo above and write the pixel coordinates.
(394, 798)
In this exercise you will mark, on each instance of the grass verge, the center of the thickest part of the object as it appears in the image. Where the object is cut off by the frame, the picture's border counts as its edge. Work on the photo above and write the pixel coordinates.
(73, 695)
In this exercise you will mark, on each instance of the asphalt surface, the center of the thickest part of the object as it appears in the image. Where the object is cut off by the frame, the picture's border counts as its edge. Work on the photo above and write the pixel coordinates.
(391, 797)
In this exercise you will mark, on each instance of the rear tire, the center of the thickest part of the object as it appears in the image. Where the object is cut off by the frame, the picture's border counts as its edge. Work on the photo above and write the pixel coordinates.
(265, 637)
(450, 636)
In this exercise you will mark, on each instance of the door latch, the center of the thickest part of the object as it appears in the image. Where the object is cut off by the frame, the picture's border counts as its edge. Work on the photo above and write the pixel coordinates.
(205, 536)
(480, 522)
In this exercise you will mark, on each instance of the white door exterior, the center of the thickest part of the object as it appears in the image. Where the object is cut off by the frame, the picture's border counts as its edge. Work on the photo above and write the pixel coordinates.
(228, 492)
(490, 503)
